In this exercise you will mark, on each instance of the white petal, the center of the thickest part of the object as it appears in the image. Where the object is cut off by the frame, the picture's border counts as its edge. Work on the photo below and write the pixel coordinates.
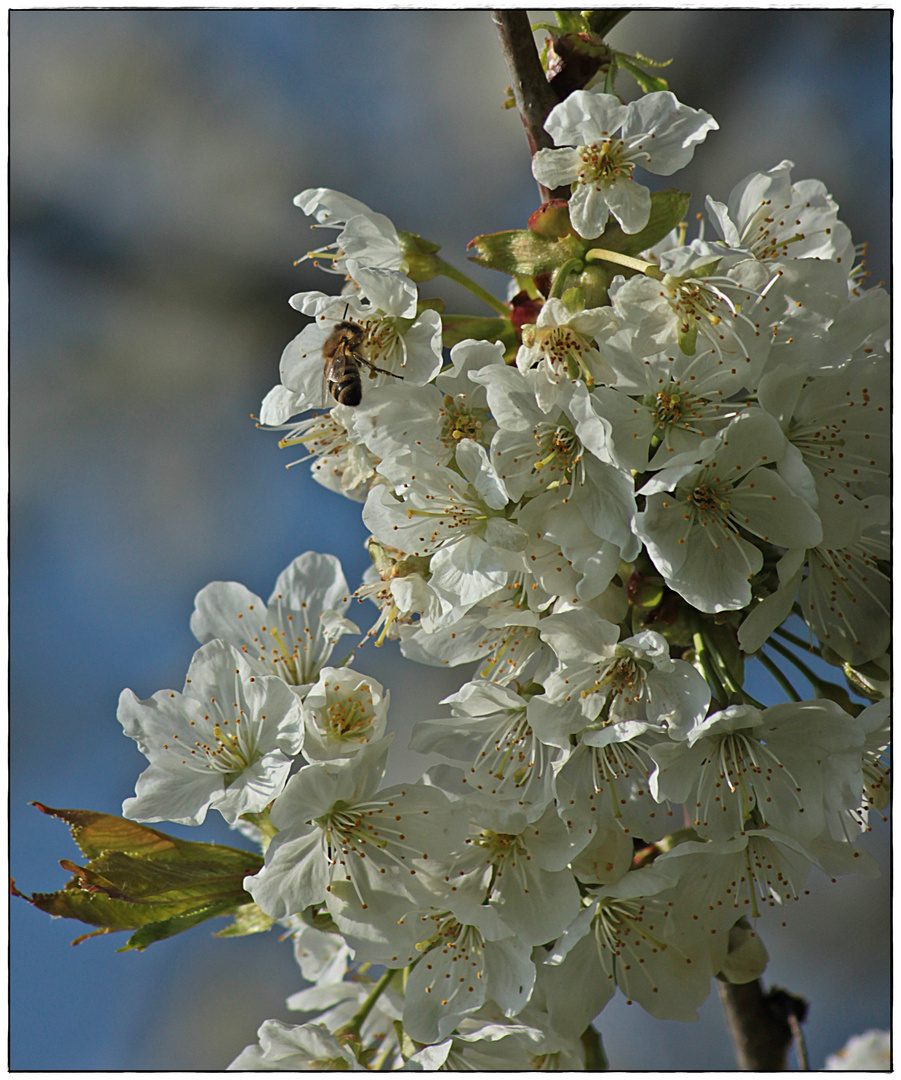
(556, 168)
(584, 118)
(630, 204)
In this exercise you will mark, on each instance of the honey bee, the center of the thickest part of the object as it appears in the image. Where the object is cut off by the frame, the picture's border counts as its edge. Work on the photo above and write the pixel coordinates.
(341, 374)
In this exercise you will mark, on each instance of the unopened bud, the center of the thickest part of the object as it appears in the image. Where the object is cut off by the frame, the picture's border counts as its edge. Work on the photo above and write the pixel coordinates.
(552, 219)
(420, 257)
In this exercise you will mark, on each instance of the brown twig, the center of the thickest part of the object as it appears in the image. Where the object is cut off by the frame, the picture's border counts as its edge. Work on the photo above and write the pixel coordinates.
(531, 90)
(760, 1023)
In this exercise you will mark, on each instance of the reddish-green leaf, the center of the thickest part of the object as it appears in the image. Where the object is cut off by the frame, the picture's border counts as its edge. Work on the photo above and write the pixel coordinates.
(144, 880)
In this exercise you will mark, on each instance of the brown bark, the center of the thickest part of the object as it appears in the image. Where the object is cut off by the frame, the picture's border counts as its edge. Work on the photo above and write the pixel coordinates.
(762, 1024)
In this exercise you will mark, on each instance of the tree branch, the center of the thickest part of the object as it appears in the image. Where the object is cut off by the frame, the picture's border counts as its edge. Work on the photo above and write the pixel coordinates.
(760, 1024)
(531, 90)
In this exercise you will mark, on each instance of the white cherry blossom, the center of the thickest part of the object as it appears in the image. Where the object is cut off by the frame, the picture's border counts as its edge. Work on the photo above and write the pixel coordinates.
(343, 712)
(365, 236)
(226, 742)
(295, 1047)
(294, 634)
(344, 842)
(696, 518)
(656, 133)
(777, 220)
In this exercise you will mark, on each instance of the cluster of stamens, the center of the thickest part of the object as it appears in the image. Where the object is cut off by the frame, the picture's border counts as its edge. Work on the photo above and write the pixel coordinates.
(604, 163)
(459, 422)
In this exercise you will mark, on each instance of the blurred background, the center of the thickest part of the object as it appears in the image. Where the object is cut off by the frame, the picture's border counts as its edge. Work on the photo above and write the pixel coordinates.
(154, 156)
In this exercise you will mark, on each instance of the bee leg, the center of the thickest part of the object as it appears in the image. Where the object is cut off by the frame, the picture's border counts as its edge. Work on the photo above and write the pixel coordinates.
(373, 369)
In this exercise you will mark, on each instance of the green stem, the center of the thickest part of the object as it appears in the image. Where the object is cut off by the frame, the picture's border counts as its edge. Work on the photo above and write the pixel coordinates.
(709, 668)
(267, 829)
(558, 287)
(730, 686)
(643, 267)
(454, 274)
(779, 675)
(722, 669)
(455, 328)
(359, 1017)
(810, 675)
(799, 641)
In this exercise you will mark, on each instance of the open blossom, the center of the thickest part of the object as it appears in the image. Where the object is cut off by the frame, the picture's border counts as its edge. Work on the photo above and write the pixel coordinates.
(347, 843)
(844, 597)
(294, 634)
(227, 742)
(490, 731)
(744, 767)
(457, 520)
(343, 712)
(295, 1047)
(625, 925)
(601, 682)
(396, 339)
(465, 953)
(706, 299)
(696, 516)
(606, 512)
(562, 345)
(340, 461)
(776, 219)
(656, 133)
(364, 236)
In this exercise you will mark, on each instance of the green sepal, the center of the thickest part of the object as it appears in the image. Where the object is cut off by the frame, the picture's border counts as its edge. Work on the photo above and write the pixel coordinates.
(668, 209)
(144, 880)
(574, 299)
(407, 1046)
(569, 22)
(523, 253)
(600, 23)
(593, 281)
(582, 43)
(432, 303)
(688, 339)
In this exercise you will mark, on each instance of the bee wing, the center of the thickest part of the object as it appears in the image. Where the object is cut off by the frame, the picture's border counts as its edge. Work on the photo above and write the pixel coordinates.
(326, 369)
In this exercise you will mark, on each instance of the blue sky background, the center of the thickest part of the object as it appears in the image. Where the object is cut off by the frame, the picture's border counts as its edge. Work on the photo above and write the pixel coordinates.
(154, 156)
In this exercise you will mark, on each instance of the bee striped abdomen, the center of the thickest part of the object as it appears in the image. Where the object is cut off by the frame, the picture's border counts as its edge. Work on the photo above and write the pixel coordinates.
(345, 383)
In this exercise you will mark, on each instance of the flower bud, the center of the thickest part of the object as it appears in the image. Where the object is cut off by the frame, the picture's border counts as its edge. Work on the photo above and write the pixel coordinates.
(420, 258)
(552, 219)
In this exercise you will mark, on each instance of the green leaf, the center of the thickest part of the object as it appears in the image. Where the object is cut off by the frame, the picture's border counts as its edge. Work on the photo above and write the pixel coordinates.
(159, 931)
(249, 919)
(668, 208)
(141, 879)
(523, 253)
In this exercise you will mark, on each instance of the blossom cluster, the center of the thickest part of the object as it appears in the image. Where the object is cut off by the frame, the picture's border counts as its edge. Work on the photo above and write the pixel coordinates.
(608, 506)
